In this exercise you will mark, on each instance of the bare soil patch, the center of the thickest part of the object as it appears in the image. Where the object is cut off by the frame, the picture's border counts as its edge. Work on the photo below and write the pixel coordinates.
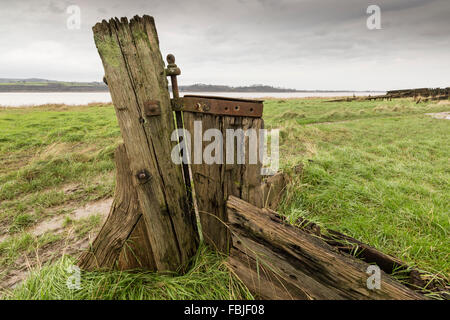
(69, 244)
(56, 224)
(440, 115)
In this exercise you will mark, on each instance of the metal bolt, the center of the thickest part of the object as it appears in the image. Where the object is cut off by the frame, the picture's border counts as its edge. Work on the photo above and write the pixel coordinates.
(142, 175)
(170, 58)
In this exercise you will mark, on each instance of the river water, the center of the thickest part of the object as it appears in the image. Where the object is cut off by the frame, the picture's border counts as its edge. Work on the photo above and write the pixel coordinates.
(19, 99)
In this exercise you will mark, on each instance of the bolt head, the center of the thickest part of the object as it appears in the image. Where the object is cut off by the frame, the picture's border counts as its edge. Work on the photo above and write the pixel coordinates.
(142, 175)
(170, 58)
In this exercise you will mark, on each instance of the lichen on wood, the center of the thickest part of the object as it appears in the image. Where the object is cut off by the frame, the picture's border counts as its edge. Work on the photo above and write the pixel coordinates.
(134, 70)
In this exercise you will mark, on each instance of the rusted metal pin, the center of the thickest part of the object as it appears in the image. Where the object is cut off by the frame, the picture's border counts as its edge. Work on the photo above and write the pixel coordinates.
(143, 176)
(173, 71)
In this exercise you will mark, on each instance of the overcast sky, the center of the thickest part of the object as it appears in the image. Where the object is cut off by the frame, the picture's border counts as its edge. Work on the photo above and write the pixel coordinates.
(302, 44)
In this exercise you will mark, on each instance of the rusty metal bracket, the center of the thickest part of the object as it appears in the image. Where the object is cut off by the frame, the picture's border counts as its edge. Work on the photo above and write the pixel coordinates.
(177, 104)
(172, 69)
(207, 104)
(152, 108)
(219, 106)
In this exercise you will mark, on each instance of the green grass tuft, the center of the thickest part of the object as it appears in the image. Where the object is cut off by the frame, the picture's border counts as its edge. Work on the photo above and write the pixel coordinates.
(208, 279)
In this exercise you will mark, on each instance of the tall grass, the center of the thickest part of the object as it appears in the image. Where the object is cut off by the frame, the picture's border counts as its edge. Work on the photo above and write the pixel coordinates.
(383, 181)
(376, 170)
(209, 278)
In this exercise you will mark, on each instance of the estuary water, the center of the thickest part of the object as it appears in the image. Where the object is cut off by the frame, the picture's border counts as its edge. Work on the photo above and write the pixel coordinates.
(22, 99)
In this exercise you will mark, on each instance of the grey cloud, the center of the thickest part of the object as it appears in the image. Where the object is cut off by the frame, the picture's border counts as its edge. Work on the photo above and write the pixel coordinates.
(290, 43)
(57, 7)
(405, 5)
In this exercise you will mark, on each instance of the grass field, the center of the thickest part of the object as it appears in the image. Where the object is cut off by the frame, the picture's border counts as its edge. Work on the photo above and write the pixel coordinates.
(377, 171)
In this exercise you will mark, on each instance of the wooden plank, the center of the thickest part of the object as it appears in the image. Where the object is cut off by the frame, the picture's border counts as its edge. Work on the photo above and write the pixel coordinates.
(134, 71)
(213, 183)
(413, 278)
(298, 264)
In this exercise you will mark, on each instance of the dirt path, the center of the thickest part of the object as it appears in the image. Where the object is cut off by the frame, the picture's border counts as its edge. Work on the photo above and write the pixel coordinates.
(440, 115)
(69, 243)
(57, 223)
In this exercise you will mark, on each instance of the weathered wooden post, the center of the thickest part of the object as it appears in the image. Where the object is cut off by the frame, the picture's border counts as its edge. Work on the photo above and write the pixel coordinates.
(134, 71)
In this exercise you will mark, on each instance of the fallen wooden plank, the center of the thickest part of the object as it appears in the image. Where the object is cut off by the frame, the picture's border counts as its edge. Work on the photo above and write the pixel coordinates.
(279, 261)
(415, 279)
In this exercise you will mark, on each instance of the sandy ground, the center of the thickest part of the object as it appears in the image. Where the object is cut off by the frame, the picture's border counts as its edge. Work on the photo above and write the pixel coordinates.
(70, 244)
(56, 224)
(440, 115)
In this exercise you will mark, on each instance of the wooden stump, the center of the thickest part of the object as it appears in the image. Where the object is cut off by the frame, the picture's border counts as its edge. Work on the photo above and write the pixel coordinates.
(122, 225)
(137, 251)
(134, 71)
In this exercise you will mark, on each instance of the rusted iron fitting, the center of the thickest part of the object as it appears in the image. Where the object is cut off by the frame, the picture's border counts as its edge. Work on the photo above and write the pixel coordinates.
(152, 108)
(143, 176)
(177, 104)
(172, 69)
(202, 107)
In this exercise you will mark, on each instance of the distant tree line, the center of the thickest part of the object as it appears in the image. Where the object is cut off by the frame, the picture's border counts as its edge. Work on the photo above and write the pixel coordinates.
(222, 88)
